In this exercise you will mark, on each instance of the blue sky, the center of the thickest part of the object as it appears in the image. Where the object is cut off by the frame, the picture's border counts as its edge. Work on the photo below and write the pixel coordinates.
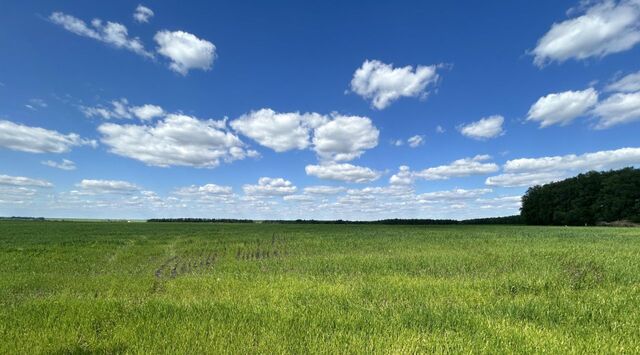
(310, 110)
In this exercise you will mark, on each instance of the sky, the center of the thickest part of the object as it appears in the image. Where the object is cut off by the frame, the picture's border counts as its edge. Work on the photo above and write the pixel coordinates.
(323, 110)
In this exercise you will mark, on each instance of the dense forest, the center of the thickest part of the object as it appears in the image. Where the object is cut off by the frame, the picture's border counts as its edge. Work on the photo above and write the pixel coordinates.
(587, 199)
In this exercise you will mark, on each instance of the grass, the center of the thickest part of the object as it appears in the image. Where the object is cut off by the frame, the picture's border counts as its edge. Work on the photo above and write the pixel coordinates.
(86, 287)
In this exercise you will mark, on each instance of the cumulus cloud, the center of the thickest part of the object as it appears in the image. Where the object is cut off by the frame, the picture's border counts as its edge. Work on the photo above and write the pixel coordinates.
(175, 140)
(323, 190)
(112, 33)
(38, 140)
(147, 112)
(563, 107)
(185, 50)
(618, 109)
(279, 131)
(415, 141)
(65, 164)
(333, 137)
(532, 171)
(477, 165)
(604, 28)
(23, 181)
(345, 138)
(121, 109)
(628, 83)
(270, 187)
(142, 14)
(343, 172)
(485, 128)
(383, 84)
(404, 176)
(106, 186)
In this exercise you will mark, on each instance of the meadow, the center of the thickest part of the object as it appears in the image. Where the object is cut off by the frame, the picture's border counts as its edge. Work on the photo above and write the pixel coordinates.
(97, 287)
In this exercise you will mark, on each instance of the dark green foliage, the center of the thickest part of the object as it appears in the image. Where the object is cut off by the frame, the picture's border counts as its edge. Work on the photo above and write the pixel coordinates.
(407, 222)
(586, 199)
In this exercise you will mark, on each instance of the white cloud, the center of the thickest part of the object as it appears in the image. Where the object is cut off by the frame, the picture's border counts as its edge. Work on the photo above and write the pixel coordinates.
(383, 84)
(65, 164)
(335, 137)
(205, 190)
(37, 140)
(323, 190)
(415, 141)
(270, 187)
(175, 140)
(532, 171)
(458, 168)
(618, 109)
(345, 138)
(185, 51)
(147, 112)
(121, 109)
(606, 27)
(440, 129)
(628, 83)
(279, 131)
(106, 186)
(524, 179)
(485, 128)
(404, 176)
(112, 33)
(23, 181)
(343, 172)
(563, 107)
(455, 194)
(142, 14)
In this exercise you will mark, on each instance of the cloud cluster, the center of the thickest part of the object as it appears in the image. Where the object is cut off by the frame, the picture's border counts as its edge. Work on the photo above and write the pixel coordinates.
(620, 107)
(112, 33)
(343, 172)
(270, 187)
(477, 165)
(175, 140)
(333, 137)
(184, 50)
(604, 28)
(29, 139)
(121, 109)
(563, 107)
(383, 84)
(533, 171)
(23, 181)
(92, 186)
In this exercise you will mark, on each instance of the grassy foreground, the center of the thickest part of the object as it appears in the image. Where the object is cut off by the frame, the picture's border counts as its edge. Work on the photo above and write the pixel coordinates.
(69, 287)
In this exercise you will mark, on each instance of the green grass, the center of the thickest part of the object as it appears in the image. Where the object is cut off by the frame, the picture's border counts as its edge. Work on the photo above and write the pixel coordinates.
(82, 287)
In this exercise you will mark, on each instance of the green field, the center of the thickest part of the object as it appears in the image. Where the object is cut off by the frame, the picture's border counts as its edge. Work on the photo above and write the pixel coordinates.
(74, 287)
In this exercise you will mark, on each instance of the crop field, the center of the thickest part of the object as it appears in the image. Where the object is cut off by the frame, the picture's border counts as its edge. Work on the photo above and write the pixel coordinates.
(98, 287)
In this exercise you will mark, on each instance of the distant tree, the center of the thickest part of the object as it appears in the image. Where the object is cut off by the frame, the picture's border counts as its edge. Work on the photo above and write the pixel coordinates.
(586, 199)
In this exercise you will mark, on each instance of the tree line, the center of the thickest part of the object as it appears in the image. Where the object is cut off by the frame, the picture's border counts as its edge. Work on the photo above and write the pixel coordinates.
(587, 199)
